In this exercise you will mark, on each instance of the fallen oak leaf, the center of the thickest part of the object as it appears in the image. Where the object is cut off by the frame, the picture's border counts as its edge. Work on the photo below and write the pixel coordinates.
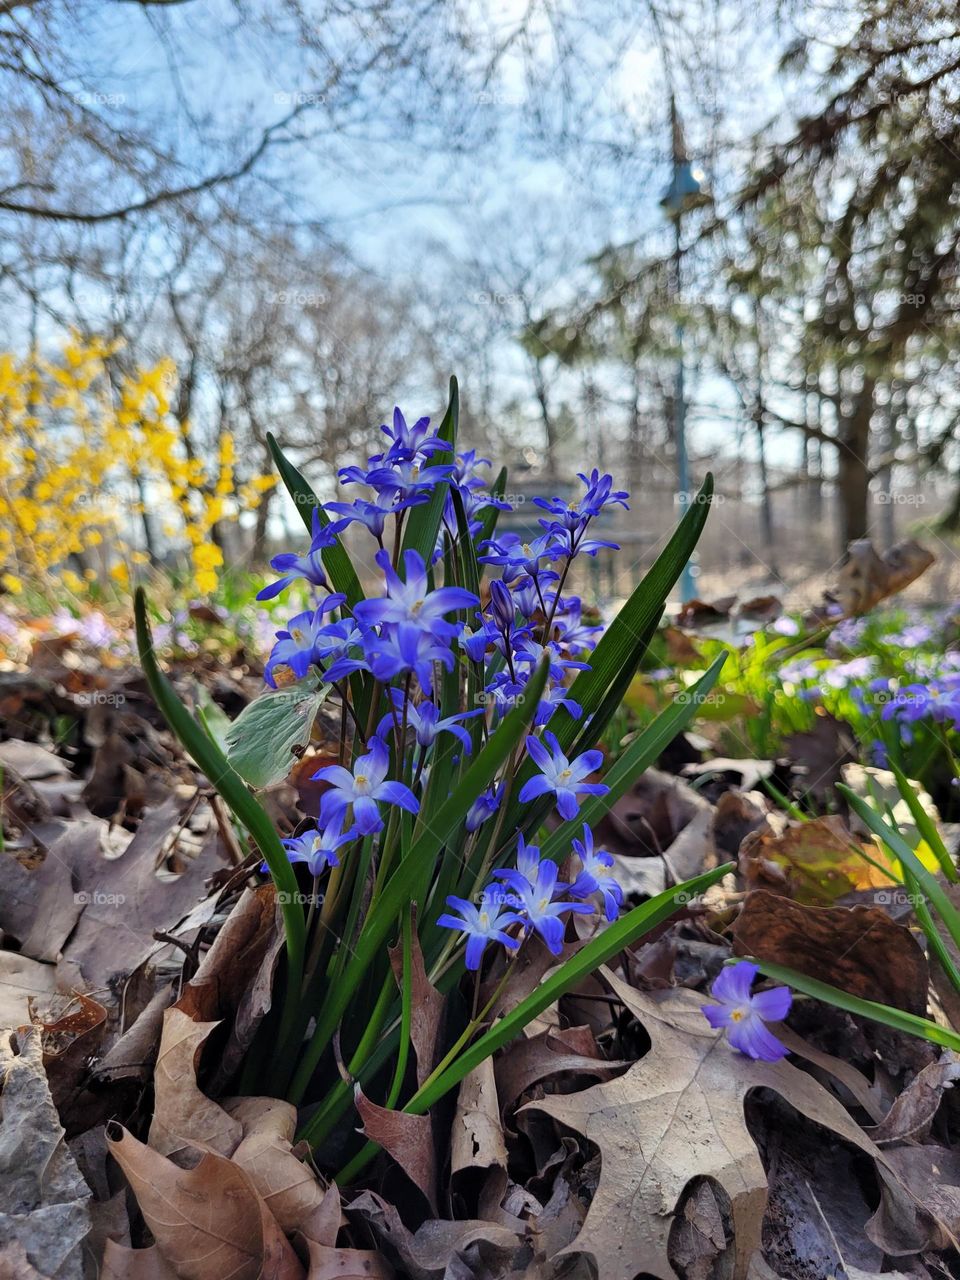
(476, 1140)
(184, 1118)
(122, 1263)
(208, 1222)
(912, 1111)
(288, 1186)
(565, 1051)
(330, 1263)
(408, 1138)
(676, 1115)
(235, 980)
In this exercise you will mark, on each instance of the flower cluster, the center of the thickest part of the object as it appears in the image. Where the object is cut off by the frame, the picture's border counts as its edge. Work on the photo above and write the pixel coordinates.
(442, 667)
(532, 898)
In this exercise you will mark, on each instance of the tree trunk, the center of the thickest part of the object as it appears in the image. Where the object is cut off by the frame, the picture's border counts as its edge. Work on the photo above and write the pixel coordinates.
(853, 473)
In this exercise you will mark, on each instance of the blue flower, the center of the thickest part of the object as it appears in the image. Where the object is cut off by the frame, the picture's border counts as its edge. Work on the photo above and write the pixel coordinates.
(406, 442)
(482, 924)
(425, 720)
(528, 861)
(744, 1015)
(372, 515)
(484, 807)
(556, 696)
(573, 516)
(593, 877)
(301, 644)
(466, 470)
(363, 788)
(309, 566)
(476, 643)
(398, 480)
(412, 601)
(339, 645)
(406, 648)
(565, 778)
(318, 849)
(520, 559)
(538, 903)
(569, 631)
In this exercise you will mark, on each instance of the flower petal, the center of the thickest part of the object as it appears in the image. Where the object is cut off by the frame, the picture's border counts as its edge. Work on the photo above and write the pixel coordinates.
(732, 984)
(752, 1038)
(772, 1005)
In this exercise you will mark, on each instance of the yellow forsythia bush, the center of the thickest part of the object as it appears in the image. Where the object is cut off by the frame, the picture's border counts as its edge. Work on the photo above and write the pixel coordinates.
(82, 454)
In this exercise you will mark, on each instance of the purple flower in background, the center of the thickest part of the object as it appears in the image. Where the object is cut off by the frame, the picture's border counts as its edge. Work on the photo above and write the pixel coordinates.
(363, 788)
(594, 877)
(412, 601)
(309, 567)
(339, 645)
(743, 1015)
(482, 924)
(476, 643)
(797, 672)
(841, 673)
(466, 470)
(537, 899)
(878, 753)
(910, 637)
(563, 777)
(938, 701)
(785, 626)
(556, 696)
(318, 849)
(484, 807)
(528, 862)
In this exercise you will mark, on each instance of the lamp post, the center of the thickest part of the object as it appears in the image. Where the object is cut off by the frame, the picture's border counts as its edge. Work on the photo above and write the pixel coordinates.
(687, 191)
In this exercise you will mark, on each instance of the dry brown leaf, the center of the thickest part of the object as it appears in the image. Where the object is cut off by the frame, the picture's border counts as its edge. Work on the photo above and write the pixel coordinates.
(444, 1249)
(931, 1216)
(912, 1112)
(427, 1007)
(854, 1081)
(121, 1263)
(288, 1186)
(408, 1138)
(570, 1051)
(22, 979)
(857, 948)
(676, 1115)
(814, 862)
(327, 1263)
(235, 978)
(184, 1118)
(476, 1140)
(866, 578)
(208, 1222)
